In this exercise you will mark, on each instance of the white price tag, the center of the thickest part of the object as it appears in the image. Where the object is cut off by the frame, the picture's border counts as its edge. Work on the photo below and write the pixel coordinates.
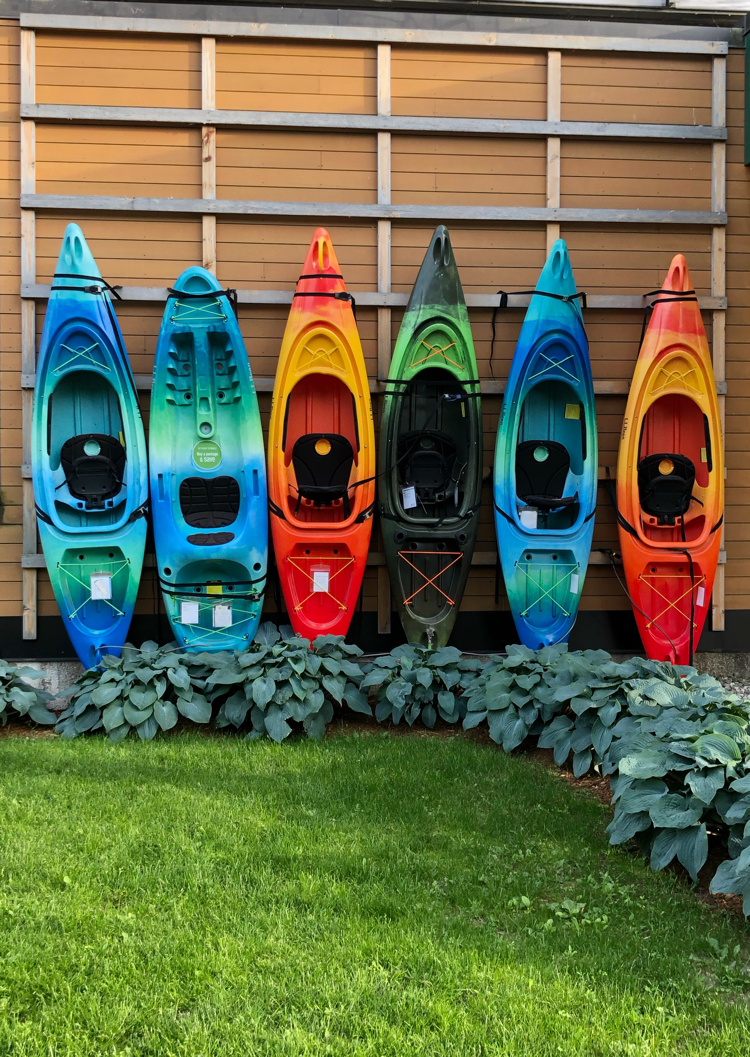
(321, 579)
(574, 584)
(700, 596)
(101, 586)
(222, 616)
(408, 497)
(528, 518)
(189, 613)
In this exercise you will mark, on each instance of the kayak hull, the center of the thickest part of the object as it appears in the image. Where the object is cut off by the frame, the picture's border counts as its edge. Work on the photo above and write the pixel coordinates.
(431, 452)
(207, 470)
(89, 462)
(545, 475)
(321, 452)
(672, 410)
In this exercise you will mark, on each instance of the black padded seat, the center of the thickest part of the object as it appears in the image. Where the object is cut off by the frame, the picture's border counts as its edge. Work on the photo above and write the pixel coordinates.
(428, 457)
(322, 465)
(94, 467)
(209, 502)
(665, 485)
(541, 471)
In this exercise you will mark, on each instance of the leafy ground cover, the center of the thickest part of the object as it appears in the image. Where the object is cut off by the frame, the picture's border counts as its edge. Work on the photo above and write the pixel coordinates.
(364, 895)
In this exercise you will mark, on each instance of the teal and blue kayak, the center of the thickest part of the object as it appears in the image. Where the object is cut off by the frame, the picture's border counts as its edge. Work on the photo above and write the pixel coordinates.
(88, 458)
(208, 473)
(545, 474)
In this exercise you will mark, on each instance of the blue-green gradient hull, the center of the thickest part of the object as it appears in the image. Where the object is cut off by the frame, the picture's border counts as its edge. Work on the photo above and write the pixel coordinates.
(208, 474)
(84, 386)
(549, 397)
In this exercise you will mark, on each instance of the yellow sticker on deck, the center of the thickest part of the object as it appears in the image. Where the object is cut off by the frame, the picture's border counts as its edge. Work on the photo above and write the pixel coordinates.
(214, 589)
(703, 455)
(573, 411)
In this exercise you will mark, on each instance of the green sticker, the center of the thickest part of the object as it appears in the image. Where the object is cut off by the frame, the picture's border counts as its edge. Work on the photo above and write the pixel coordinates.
(207, 454)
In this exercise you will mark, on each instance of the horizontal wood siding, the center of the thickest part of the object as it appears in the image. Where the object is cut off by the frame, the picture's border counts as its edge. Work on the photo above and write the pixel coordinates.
(267, 253)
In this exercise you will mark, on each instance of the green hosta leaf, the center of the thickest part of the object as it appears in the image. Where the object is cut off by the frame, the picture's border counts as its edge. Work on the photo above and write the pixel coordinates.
(356, 700)
(397, 693)
(741, 785)
(179, 677)
(601, 737)
(276, 723)
(640, 795)
(676, 812)
(449, 677)
(148, 728)
(118, 733)
(331, 665)
(383, 710)
(706, 784)
(165, 714)
(140, 699)
(315, 725)
(473, 719)
(719, 747)
(664, 848)
(103, 695)
(424, 676)
(581, 763)
(88, 720)
(113, 716)
(263, 690)
(650, 763)
(376, 677)
(666, 694)
(444, 655)
(39, 713)
(624, 827)
(136, 716)
(267, 634)
(692, 849)
(335, 685)
(514, 734)
(198, 710)
(429, 716)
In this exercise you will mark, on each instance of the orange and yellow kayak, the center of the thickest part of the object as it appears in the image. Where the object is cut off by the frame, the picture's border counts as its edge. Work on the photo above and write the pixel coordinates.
(670, 476)
(321, 451)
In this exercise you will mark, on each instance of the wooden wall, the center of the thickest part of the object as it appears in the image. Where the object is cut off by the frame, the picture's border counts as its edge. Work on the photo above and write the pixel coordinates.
(313, 166)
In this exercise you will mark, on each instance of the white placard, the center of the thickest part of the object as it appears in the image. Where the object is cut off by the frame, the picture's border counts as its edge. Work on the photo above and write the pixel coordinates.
(222, 616)
(189, 613)
(700, 596)
(528, 518)
(321, 578)
(101, 586)
(574, 584)
(409, 497)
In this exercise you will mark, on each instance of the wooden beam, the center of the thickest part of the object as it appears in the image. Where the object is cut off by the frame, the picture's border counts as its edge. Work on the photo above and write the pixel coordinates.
(364, 123)
(554, 113)
(208, 150)
(364, 211)
(371, 299)
(28, 67)
(718, 289)
(373, 34)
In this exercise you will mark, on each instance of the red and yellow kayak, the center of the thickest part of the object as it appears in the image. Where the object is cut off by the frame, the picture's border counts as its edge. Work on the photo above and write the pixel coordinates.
(670, 476)
(321, 451)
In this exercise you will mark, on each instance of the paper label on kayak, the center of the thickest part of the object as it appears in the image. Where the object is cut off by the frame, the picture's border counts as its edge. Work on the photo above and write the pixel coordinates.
(528, 518)
(700, 597)
(409, 497)
(207, 454)
(101, 586)
(321, 578)
(189, 613)
(573, 411)
(222, 616)
(574, 584)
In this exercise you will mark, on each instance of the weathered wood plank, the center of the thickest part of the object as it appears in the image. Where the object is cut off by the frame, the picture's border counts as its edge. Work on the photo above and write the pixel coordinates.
(353, 210)
(372, 34)
(145, 115)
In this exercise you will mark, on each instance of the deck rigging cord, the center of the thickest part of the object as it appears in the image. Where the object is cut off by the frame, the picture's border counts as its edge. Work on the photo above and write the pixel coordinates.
(503, 303)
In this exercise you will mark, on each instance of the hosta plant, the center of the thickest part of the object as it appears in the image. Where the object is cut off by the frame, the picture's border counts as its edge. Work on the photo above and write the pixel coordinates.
(279, 680)
(413, 681)
(144, 689)
(19, 697)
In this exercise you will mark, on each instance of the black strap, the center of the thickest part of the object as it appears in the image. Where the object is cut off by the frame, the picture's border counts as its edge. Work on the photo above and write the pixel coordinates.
(500, 510)
(229, 293)
(364, 514)
(570, 298)
(672, 296)
(692, 603)
(276, 510)
(717, 525)
(44, 516)
(101, 286)
(610, 487)
(341, 295)
(139, 513)
(321, 275)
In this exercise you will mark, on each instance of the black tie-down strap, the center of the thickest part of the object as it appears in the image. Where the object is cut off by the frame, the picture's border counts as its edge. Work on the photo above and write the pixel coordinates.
(610, 487)
(229, 293)
(663, 297)
(503, 303)
(341, 295)
(100, 284)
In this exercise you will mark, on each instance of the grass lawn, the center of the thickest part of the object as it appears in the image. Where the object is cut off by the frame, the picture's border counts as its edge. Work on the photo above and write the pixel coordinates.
(368, 895)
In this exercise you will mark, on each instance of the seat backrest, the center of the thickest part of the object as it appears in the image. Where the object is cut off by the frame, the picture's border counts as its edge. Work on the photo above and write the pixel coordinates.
(665, 485)
(541, 469)
(322, 465)
(209, 502)
(427, 458)
(94, 467)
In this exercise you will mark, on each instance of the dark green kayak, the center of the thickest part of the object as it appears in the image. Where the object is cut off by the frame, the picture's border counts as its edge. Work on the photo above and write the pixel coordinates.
(431, 451)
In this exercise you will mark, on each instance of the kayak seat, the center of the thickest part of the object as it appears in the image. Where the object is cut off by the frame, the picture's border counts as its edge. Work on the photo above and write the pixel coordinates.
(428, 457)
(322, 465)
(541, 472)
(94, 465)
(209, 502)
(665, 485)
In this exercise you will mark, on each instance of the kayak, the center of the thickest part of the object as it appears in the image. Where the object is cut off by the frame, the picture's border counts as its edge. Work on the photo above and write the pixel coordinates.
(321, 452)
(670, 476)
(208, 476)
(431, 451)
(545, 475)
(88, 458)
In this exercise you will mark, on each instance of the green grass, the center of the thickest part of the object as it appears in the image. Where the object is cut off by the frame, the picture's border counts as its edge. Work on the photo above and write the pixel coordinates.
(369, 895)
